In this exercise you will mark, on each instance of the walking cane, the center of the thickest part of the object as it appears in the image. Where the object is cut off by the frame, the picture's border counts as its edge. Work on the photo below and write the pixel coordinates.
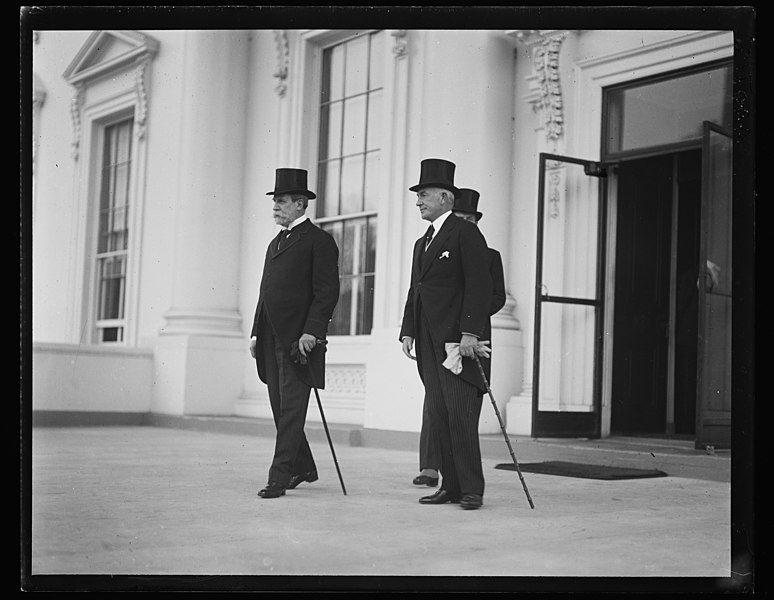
(303, 360)
(502, 427)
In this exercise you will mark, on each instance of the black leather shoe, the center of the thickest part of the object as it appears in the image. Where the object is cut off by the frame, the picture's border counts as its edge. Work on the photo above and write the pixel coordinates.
(425, 480)
(440, 497)
(309, 476)
(272, 490)
(471, 501)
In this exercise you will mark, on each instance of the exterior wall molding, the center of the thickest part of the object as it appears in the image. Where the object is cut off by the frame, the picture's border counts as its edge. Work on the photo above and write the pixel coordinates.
(104, 54)
(400, 47)
(346, 379)
(76, 109)
(141, 116)
(38, 99)
(545, 96)
(283, 61)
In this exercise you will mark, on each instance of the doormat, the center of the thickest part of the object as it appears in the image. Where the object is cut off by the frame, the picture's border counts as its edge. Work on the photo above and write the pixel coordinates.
(570, 469)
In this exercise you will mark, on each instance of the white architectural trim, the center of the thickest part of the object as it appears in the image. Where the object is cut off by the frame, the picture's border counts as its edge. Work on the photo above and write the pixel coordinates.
(88, 65)
(124, 95)
(685, 50)
(94, 62)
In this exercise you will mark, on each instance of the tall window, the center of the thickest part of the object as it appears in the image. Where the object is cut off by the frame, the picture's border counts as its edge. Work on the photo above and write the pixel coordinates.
(113, 232)
(348, 171)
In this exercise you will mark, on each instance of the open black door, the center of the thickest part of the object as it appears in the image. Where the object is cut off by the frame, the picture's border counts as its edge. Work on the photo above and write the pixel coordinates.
(566, 394)
(713, 380)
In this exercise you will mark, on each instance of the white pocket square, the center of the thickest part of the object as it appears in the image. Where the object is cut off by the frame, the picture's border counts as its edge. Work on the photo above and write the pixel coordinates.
(444, 254)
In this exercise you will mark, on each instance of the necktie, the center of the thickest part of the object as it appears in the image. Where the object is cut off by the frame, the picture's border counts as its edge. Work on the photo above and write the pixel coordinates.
(429, 236)
(281, 237)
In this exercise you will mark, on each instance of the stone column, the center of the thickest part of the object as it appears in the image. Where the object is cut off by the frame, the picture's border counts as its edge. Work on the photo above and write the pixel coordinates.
(200, 350)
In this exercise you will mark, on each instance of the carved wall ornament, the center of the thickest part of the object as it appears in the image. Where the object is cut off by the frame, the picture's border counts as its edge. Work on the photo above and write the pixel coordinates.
(545, 95)
(554, 171)
(347, 379)
(400, 48)
(546, 63)
(553, 195)
(283, 60)
(141, 114)
(75, 115)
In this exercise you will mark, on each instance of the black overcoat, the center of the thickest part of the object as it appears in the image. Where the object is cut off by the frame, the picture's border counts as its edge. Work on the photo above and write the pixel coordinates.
(299, 291)
(452, 281)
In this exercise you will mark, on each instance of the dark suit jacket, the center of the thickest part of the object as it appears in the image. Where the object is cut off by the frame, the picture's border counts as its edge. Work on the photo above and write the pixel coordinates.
(455, 288)
(498, 281)
(299, 291)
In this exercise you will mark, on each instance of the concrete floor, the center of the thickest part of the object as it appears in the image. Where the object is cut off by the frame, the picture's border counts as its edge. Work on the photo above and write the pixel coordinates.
(159, 501)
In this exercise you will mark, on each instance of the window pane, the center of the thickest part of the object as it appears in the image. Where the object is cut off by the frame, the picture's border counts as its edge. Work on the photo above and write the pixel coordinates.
(336, 230)
(372, 183)
(112, 334)
(111, 304)
(366, 305)
(376, 60)
(123, 143)
(567, 358)
(333, 74)
(354, 125)
(356, 78)
(370, 255)
(341, 316)
(666, 112)
(375, 121)
(328, 200)
(348, 249)
(330, 130)
(352, 184)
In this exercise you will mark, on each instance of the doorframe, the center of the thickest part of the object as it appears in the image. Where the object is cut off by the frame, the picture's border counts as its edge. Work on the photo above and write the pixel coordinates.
(592, 76)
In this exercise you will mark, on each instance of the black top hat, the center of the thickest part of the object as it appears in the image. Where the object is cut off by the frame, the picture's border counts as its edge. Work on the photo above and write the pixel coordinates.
(467, 201)
(291, 181)
(436, 172)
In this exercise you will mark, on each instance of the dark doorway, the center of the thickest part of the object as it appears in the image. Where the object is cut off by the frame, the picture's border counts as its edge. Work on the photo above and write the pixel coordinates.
(656, 265)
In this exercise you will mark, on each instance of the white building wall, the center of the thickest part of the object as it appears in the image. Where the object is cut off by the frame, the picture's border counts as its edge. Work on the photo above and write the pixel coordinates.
(480, 114)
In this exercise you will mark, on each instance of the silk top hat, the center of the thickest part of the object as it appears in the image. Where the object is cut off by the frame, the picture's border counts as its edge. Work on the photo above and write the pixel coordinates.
(291, 181)
(467, 202)
(436, 172)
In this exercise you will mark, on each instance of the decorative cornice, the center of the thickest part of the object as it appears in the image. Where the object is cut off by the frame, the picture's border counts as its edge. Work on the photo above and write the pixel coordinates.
(283, 60)
(106, 53)
(91, 61)
(400, 48)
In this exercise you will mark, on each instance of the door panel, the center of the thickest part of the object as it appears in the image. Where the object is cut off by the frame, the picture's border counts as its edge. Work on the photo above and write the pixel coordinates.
(713, 422)
(566, 397)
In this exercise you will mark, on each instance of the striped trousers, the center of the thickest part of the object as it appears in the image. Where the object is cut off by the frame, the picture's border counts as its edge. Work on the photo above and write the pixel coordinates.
(454, 407)
(289, 398)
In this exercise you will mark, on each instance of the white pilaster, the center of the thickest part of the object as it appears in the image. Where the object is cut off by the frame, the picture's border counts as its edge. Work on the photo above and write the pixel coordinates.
(200, 349)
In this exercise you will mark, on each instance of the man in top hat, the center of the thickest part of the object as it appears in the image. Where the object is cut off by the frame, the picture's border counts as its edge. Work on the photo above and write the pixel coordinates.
(448, 301)
(465, 207)
(299, 291)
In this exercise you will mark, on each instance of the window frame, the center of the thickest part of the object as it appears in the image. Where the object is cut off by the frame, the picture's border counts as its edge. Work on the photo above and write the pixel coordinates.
(318, 42)
(99, 325)
(107, 91)
(298, 143)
